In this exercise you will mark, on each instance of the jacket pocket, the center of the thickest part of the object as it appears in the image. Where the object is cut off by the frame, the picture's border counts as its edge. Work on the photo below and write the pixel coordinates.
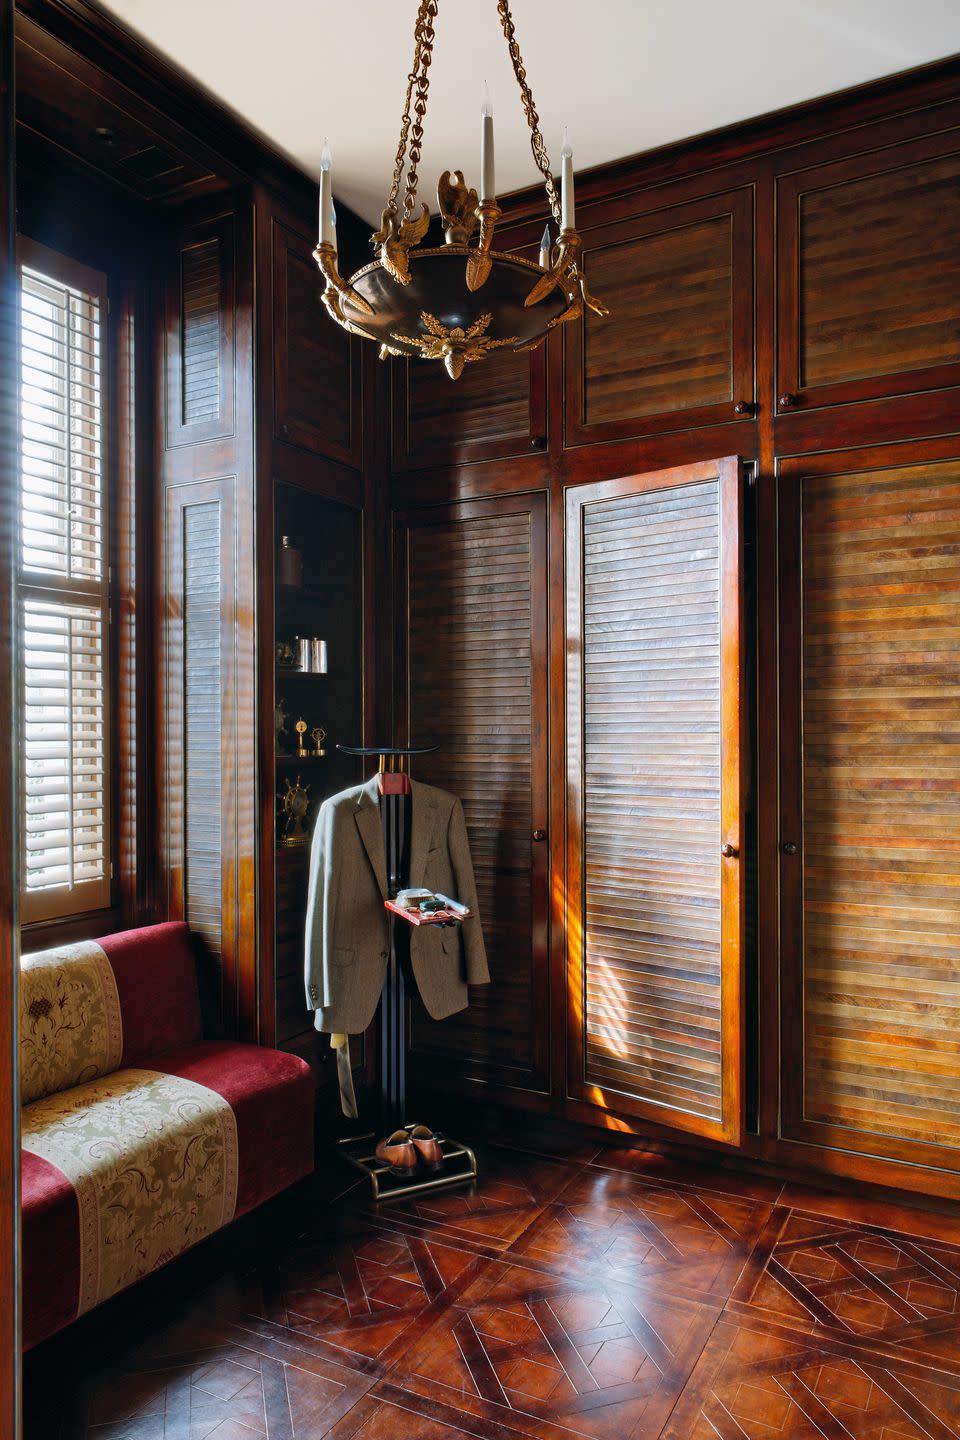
(344, 957)
(450, 940)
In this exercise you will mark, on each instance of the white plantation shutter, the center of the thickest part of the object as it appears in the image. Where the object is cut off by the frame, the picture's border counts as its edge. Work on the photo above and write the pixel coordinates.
(63, 583)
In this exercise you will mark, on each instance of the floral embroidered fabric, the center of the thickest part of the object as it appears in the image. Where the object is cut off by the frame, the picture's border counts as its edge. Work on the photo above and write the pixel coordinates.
(71, 1030)
(153, 1160)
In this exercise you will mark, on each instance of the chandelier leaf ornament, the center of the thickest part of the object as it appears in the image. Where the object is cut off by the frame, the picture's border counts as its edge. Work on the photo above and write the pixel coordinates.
(460, 301)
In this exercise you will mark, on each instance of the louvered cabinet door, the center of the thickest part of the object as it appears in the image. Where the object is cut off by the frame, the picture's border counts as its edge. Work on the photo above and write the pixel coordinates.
(474, 608)
(654, 862)
(870, 826)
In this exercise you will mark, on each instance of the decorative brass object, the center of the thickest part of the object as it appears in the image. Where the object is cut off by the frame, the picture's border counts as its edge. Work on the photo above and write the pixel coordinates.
(301, 729)
(461, 301)
(457, 346)
(318, 735)
(295, 803)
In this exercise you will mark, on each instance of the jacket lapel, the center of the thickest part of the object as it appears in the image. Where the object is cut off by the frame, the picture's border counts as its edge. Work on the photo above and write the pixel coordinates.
(422, 825)
(371, 832)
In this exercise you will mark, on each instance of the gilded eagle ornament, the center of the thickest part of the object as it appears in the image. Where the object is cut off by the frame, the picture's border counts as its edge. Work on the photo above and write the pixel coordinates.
(455, 347)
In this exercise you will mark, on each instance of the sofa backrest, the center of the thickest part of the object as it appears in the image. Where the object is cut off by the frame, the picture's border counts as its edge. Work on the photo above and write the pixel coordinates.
(90, 1008)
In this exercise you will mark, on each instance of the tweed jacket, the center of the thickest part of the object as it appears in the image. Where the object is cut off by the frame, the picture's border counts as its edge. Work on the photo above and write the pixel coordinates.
(348, 927)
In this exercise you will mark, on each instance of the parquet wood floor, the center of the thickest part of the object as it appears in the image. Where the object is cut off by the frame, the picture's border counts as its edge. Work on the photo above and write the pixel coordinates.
(599, 1296)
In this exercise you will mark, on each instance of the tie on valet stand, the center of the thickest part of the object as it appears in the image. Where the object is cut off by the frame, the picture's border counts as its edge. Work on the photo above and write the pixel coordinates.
(459, 1161)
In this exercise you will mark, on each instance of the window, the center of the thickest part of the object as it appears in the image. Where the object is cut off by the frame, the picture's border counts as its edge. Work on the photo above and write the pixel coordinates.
(63, 589)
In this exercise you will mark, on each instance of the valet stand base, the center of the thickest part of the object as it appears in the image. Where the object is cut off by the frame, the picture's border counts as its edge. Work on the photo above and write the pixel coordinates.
(459, 1168)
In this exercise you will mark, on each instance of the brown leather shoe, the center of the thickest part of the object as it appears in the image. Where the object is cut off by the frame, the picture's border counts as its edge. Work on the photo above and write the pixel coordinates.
(398, 1153)
(427, 1146)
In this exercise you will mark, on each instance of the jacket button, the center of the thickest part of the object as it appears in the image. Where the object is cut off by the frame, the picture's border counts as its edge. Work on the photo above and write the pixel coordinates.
(384, 955)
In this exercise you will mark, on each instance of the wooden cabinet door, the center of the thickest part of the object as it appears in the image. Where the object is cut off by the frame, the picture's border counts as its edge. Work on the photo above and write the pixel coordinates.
(317, 399)
(493, 412)
(473, 606)
(676, 350)
(869, 275)
(654, 875)
(870, 822)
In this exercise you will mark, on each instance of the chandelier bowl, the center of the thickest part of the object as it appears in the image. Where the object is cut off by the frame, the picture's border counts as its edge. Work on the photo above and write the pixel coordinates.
(437, 317)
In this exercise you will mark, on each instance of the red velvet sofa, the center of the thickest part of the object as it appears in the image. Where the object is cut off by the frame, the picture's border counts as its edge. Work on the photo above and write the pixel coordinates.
(139, 1137)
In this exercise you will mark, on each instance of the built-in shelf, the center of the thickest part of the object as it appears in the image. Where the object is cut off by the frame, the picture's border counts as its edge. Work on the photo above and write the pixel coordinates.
(301, 674)
(301, 759)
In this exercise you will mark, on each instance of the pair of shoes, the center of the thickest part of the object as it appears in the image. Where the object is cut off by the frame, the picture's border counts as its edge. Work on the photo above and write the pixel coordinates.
(405, 1149)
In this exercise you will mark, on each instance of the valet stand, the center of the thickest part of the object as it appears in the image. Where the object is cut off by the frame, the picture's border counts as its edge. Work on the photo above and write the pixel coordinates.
(459, 1161)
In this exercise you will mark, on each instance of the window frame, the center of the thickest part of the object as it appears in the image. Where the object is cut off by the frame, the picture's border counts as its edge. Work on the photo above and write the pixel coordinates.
(73, 901)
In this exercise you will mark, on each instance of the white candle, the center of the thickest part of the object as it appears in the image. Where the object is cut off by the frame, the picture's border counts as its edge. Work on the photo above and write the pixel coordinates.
(546, 245)
(566, 184)
(333, 222)
(487, 186)
(327, 234)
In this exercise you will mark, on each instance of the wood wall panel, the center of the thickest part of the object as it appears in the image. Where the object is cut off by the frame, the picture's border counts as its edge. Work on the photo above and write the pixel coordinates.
(877, 983)
(200, 359)
(493, 411)
(316, 369)
(9, 799)
(205, 698)
(675, 350)
(475, 645)
(653, 686)
(870, 274)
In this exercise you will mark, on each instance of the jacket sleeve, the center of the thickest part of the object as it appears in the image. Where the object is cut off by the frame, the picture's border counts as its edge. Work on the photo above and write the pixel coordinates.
(474, 951)
(317, 947)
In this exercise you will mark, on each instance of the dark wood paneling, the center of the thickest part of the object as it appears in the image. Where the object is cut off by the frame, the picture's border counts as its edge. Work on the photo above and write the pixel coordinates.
(201, 359)
(66, 100)
(474, 636)
(676, 349)
(9, 845)
(205, 701)
(317, 396)
(654, 905)
(871, 903)
(870, 274)
(493, 411)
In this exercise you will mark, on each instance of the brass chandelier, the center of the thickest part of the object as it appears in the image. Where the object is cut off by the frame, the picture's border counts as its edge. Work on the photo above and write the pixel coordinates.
(464, 300)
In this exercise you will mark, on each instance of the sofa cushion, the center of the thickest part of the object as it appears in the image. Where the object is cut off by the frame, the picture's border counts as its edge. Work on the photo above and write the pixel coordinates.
(89, 1008)
(70, 1025)
(152, 1159)
(124, 1173)
(156, 976)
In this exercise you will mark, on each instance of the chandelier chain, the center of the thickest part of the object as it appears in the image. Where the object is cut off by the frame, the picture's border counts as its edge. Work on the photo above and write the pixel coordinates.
(537, 144)
(423, 36)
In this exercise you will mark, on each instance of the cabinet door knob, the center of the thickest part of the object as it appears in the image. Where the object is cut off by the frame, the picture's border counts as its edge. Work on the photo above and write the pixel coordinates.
(743, 407)
(539, 835)
(728, 851)
(787, 402)
(789, 847)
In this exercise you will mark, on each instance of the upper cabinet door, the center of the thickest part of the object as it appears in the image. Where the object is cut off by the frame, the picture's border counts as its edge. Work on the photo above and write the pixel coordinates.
(200, 337)
(676, 349)
(869, 275)
(655, 872)
(496, 410)
(317, 399)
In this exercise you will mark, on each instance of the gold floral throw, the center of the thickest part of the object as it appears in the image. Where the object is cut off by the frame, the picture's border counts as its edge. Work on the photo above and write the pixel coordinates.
(153, 1161)
(70, 1025)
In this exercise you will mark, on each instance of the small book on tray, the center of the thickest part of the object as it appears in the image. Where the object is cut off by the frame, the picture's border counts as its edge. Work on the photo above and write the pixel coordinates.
(425, 907)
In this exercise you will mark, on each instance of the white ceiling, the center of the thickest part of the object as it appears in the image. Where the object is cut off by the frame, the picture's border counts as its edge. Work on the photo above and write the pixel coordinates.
(624, 75)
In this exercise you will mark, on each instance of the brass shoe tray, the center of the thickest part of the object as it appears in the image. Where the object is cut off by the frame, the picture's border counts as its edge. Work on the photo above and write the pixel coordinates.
(459, 1167)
